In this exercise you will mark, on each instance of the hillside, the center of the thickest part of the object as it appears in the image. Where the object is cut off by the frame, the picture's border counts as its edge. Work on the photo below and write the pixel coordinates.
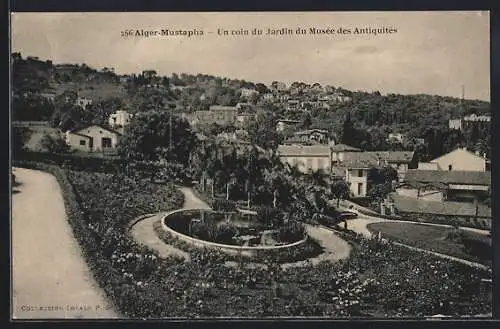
(42, 89)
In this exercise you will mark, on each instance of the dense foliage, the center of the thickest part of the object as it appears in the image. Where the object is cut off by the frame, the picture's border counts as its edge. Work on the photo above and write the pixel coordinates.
(223, 205)
(156, 135)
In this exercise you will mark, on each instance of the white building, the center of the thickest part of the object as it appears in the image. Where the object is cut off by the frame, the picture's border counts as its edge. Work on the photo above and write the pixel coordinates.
(457, 160)
(83, 101)
(92, 138)
(119, 119)
(306, 157)
(246, 92)
(465, 122)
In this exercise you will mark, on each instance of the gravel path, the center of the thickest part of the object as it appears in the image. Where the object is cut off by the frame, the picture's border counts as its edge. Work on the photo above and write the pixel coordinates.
(50, 278)
(359, 225)
(144, 233)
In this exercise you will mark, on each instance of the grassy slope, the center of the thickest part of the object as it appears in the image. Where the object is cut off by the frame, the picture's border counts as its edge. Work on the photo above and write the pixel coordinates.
(434, 238)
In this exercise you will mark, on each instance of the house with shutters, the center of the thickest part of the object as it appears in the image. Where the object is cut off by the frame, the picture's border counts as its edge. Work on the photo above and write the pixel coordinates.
(306, 158)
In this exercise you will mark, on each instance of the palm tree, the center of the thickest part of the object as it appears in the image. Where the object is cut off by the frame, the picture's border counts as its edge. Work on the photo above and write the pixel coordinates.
(252, 170)
(213, 166)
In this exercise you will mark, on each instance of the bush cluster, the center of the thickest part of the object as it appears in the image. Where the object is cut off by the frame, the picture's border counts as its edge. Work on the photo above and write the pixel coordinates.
(223, 205)
(270, 216)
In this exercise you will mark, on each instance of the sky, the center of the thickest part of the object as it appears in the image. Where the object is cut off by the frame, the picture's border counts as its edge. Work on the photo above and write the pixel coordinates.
(431, 52)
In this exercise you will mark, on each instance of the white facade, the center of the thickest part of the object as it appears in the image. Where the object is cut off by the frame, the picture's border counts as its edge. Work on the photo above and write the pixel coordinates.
(358, 181)
(427, 166)
(245, 92)
(119, 119)
(92, 139)
(307, 163)
(83, 101)
(455, 124)
(460, 160)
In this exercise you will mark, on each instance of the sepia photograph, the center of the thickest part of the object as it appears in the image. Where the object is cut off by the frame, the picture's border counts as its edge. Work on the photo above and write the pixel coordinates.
(250, 165)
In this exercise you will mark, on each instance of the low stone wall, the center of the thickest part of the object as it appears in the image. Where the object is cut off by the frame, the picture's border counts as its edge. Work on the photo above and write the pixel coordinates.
(230, 249)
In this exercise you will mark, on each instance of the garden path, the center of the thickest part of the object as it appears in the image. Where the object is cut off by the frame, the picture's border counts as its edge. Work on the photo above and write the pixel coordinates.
(48, 269)
(143, 231)
(359, 225)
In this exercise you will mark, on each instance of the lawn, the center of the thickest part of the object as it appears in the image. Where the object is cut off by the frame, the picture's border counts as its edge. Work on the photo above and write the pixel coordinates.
(463, 244)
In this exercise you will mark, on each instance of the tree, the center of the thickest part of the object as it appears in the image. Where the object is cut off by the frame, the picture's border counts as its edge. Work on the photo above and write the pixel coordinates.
(348, 131)
(20, 136)
(261, 88)
(262, 131)
(339, 189)
(156, 135)
(380, 183)
(252, 172)
(54, 144)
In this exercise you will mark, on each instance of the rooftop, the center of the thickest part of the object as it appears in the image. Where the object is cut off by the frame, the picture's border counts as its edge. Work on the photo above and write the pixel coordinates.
(310, 131)
(393, 156)
(222, 108)
(304, 150)
(449, 177)
(359, 160)
(288, 121)
(344, 148)
(412, 205)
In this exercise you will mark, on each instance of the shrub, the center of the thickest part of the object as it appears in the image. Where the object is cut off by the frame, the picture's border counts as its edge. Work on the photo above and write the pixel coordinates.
(225, 233)
(291, 232)
(270, 216)
(199, 230)
(223, 205)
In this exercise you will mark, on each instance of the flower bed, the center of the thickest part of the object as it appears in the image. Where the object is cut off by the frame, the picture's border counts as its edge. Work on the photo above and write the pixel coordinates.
(377, 280)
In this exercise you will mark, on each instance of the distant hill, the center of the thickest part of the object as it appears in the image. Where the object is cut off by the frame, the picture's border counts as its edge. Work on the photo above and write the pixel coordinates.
(39, 87)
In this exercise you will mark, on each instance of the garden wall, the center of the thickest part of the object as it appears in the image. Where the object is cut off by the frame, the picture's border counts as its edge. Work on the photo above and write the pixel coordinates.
(233, 250)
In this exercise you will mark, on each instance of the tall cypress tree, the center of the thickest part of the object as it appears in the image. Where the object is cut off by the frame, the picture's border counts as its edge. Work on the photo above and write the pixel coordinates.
(348, 131)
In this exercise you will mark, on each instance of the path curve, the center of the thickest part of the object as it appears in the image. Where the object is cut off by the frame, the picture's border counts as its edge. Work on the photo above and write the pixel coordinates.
(363, 220)
(143, 232)
(360, 225)
(50, 278)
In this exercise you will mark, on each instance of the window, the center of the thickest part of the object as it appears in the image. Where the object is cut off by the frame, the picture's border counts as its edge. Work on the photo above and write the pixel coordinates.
(320, 163)
(83, 142)
(449, 168)
(106, 142)
(360, 188)
(309, 163)
(360, 173)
